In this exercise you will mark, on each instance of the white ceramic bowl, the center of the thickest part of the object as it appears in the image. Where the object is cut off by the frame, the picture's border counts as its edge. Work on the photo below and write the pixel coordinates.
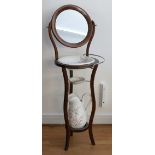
(76, 60)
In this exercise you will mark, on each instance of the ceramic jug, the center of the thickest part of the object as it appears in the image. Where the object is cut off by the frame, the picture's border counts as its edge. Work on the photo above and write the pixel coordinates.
(76, 113)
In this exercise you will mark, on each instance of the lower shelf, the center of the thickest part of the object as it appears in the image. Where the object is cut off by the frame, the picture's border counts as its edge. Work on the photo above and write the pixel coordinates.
(80, 129)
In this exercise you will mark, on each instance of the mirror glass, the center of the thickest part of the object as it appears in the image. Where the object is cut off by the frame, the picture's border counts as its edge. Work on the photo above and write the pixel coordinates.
(71, 26)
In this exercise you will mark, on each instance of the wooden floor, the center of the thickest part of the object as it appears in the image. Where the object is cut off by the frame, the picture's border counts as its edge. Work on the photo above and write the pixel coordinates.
(54, 139)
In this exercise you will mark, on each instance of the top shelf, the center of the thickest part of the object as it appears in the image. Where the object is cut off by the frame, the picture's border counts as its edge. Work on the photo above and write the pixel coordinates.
(80, 62)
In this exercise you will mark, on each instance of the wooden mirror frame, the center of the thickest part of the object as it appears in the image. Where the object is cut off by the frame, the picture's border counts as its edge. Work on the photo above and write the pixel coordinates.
(85, 15)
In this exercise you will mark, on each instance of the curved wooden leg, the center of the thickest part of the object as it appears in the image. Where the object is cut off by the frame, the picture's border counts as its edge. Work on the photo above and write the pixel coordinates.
(67, 138)
(71, 91)
(65, 108)
(93, 104)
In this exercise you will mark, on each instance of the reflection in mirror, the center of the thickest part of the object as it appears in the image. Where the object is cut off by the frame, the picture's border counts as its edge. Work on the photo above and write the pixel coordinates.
(71, 26)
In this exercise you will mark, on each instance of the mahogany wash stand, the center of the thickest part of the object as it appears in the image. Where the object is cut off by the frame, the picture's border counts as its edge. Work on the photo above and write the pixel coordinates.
(52, 30)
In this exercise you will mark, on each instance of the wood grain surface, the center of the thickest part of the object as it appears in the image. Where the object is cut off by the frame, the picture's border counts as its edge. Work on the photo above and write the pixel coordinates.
(54, 138)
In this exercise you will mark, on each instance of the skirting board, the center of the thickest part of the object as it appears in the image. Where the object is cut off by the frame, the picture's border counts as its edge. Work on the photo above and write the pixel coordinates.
(59, 119)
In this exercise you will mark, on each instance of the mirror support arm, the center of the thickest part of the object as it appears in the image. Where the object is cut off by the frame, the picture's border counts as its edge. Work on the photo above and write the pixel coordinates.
(52, 40)
(91, 38)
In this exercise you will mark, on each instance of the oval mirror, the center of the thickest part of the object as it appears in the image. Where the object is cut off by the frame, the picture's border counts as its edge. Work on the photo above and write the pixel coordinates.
(71, 26)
